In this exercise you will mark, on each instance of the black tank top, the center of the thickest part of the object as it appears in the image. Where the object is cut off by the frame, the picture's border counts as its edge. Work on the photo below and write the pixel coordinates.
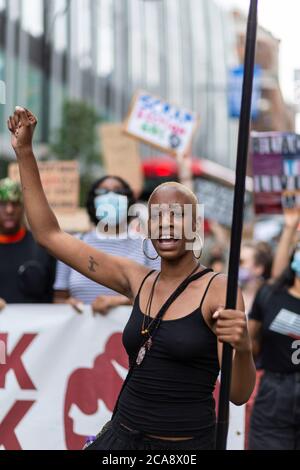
(171, 393)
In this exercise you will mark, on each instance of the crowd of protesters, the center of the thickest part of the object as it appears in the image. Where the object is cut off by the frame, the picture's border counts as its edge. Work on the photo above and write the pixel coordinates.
(268, 277)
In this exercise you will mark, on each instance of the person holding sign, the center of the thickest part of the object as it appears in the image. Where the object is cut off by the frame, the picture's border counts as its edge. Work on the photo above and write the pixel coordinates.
(178, 325)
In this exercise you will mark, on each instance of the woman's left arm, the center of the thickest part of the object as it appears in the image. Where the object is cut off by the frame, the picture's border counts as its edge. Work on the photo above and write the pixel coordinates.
(231, 327)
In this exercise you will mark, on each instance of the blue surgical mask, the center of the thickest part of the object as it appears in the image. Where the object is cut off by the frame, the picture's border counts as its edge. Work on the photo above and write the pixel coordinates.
(111, 208)
(296, 263)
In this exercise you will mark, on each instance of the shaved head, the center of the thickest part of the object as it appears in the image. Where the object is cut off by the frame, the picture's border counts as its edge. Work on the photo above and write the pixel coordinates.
(173, 187)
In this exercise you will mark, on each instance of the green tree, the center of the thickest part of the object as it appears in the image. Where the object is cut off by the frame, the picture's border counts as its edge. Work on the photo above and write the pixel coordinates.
(77, 139)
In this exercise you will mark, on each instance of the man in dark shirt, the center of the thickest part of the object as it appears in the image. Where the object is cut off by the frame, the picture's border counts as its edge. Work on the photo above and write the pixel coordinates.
(27, 271)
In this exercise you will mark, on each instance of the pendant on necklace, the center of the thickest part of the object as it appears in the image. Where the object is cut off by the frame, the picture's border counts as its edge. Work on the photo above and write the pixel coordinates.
(142, 352)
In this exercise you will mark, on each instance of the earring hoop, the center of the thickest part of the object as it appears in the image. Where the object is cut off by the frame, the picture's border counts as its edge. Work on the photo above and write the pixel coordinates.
(201, 242)
(145, 251)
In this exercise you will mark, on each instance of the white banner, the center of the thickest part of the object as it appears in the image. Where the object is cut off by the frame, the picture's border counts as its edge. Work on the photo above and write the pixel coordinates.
(62, 376)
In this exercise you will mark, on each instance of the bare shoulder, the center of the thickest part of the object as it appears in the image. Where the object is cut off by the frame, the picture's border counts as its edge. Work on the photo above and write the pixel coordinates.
(216, 295)
(218, 283)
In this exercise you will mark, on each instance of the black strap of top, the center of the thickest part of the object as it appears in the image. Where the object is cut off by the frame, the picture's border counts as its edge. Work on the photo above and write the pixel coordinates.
(159, 317)
(207, 288)
(145, 279)
(131, 366)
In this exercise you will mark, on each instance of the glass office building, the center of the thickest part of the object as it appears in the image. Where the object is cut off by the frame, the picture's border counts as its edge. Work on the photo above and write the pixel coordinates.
(102, 51)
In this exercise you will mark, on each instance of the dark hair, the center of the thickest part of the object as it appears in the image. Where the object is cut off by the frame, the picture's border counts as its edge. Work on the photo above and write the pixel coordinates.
(90, 206)
(263, 256)
(215, 259)
(287, 278)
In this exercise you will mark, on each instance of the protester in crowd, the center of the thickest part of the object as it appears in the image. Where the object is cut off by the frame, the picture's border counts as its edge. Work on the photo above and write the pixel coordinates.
(27, 271)
(114, 238)
(274, 324)
(288, 240)
(255, 268)
(217, 241)
(167, 401)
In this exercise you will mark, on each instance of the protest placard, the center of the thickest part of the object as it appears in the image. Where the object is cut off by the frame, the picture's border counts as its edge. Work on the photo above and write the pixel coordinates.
(276, 171)
(218, 201)
(60, 180)
(161, 124)
(121, 156)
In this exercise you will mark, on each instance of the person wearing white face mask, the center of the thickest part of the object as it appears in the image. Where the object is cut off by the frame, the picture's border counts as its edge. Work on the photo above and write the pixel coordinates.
(108, 202)
(274, 325)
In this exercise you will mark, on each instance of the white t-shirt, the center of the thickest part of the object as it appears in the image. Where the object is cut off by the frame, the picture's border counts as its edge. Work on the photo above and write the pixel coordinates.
(86, 290)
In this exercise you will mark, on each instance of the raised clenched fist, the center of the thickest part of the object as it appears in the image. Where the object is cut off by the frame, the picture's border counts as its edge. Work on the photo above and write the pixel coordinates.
(21, 125)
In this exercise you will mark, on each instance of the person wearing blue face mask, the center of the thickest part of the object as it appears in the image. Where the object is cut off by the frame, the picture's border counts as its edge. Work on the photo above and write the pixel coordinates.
(108, 202)
(111, 207)
(274, 327)
(296, 263)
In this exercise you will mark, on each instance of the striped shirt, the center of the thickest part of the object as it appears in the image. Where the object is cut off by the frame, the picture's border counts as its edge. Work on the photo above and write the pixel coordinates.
(85, 290)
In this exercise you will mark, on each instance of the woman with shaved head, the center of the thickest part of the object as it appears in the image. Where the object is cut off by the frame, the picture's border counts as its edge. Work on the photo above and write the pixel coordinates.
(178, 324)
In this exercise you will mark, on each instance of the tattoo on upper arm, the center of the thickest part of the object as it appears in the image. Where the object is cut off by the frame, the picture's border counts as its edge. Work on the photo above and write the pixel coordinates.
(92, 265)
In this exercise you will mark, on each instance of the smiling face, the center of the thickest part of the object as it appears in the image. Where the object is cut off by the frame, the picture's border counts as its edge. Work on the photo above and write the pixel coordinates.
(173, 220)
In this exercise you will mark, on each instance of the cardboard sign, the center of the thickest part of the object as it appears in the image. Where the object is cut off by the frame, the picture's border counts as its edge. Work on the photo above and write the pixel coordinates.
(158, 123)
(121, 155)
(60, 181)
(218, 201)
(276, 171)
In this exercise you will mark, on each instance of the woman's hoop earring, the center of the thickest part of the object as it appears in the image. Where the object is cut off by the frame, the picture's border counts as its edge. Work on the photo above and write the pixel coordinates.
(145, 251)
(198, 256)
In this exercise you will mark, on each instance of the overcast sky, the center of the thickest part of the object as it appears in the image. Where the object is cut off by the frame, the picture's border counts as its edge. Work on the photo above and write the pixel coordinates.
(282, 18)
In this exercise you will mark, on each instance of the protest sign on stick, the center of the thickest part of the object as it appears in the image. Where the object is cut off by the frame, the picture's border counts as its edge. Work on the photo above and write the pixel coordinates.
(161, 124)
(121, 156)
(165, 126)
